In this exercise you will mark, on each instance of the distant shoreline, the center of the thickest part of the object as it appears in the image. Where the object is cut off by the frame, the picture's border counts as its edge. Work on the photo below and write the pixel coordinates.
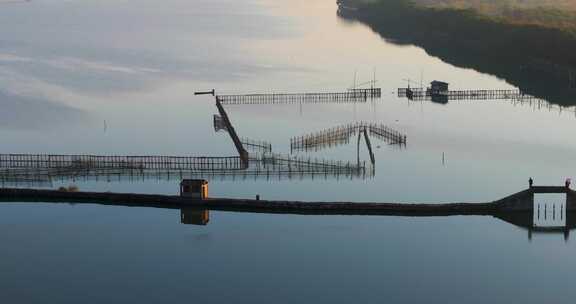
(544, 16)
(539, 61)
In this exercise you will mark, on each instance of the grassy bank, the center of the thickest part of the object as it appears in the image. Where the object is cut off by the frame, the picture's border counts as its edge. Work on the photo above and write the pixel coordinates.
(552, 14)
(548, 14)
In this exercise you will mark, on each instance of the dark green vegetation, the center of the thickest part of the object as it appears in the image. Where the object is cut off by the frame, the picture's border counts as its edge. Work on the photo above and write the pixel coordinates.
(541, 61)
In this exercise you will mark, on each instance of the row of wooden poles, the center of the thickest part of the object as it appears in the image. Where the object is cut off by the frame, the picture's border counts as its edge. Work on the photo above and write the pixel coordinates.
(47, 180)
(264, 165)
(515, 96)
(127, 162)
(25, 166)
(281, 163)
(353, 95)
(425, 94)
(71, 163)
(341, 134)
(256, 145)
(307, 164)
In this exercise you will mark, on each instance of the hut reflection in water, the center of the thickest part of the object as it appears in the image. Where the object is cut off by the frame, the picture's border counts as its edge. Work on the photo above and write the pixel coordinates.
(194, 216)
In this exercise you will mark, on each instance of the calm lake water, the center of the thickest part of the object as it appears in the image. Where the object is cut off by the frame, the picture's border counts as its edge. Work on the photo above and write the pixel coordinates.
(118, 77)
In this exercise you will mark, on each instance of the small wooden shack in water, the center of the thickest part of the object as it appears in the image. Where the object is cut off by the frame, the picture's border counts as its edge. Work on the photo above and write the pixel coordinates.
(194, 188)
(438, 87)
(438, 91)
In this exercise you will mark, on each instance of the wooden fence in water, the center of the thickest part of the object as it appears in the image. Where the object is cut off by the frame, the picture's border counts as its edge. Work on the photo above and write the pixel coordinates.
(81, 162)
(341, 135)
(256, 145)
(15, 161)
(30, 170)
(516, 97)
(354, 95)
(387, 134)
(426, 94)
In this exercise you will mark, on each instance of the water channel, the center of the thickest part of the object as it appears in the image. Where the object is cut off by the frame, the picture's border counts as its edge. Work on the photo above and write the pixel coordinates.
(118, 77)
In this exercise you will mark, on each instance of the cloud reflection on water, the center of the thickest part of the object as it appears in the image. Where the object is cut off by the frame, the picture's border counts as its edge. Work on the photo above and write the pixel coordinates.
(33, 113)
(96, 49)
(117, 71)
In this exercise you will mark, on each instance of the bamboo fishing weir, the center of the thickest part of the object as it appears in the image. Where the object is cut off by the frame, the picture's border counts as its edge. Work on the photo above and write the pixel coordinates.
(28, 164)
(29, 169)
(45, 169)
(350, 96)
(340, 135)
(268, 167)
(71, 162)
(256, 145)
(419, 94)
(516, 97)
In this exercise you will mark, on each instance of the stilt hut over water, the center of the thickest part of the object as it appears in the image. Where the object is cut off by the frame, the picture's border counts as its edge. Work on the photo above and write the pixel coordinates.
(437, 87)
(194, 188)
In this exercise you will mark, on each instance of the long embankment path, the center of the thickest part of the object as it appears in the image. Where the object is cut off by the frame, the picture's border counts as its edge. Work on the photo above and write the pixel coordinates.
(522, 201)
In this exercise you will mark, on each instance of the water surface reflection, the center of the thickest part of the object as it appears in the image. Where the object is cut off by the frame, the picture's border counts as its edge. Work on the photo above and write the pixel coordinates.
(538, 61)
